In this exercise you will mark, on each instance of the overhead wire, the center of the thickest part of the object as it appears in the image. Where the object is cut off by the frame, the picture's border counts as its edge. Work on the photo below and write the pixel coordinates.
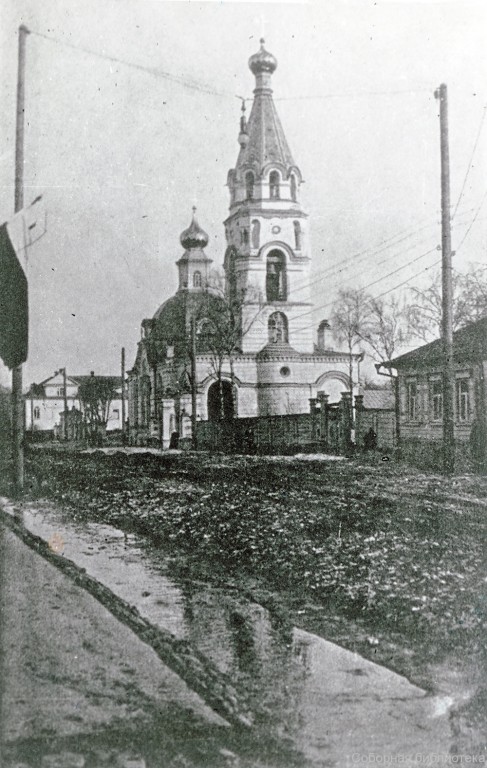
(339, 267)
(374, 282)
(470, 166)
(473, 221)
(384, 293)
(155, 71)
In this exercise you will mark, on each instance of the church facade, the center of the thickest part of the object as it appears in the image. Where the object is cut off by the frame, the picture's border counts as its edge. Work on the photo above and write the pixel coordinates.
(271, 358)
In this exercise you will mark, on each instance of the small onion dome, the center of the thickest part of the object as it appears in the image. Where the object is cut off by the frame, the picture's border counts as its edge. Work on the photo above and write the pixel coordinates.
(194, 236)
(262, 61)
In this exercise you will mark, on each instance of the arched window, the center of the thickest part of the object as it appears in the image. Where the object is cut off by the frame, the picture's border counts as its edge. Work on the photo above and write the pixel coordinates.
(277, 328)
(276, 289)
(297, 235)
(37, 412)
(249, 185)
(274, 180)
(197, 280)
(256, 234)
(294, 194)
(244, 236)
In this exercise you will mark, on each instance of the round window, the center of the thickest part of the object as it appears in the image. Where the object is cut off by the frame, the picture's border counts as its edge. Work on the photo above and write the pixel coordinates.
(285, 371)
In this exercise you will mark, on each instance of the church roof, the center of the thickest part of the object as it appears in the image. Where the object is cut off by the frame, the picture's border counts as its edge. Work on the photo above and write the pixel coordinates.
(277, 349)
(267, 143)
(194, 236)
(170, 326)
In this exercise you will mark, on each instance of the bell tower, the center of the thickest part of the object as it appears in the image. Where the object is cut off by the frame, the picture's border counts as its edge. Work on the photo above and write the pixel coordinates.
(266, 231)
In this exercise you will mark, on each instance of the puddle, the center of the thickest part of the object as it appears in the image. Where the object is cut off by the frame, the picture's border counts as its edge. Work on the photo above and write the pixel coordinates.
(326, 701)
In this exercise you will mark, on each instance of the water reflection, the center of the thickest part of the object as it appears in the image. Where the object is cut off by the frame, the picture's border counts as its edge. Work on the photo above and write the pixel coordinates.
(266, 659)
(297, 685)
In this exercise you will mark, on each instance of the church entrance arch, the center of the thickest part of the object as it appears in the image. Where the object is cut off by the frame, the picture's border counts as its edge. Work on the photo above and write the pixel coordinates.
(220, 401)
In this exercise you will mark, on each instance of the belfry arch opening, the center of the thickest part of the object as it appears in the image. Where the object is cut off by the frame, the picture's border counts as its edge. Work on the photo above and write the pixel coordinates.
(274, 185)
(277, 328)
(276, 288)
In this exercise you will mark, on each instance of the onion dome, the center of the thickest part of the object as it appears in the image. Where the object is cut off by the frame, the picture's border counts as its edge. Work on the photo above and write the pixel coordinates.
(263, 61)
(194, 236)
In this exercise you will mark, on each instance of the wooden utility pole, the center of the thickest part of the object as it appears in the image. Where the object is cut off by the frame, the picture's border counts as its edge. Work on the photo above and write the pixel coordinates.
(193, 385)
(122, 372)
(65, 397)
(447, 290)
(18, 417)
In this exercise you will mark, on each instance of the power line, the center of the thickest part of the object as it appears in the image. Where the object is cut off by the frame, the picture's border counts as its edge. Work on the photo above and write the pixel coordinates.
(374, 282)
(336, 269)
(186, 82)
(470, 166)
(333, 271)
(352, 94)
(473, 221)
(384, 293)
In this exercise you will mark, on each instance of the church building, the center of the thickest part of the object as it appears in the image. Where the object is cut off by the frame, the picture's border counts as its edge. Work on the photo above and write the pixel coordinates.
(269, 358)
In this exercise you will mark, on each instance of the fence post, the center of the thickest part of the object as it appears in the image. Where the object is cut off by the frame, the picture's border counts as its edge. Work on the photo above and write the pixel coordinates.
(359, 407)
(346, 419)
(323, 401)
(312, 410)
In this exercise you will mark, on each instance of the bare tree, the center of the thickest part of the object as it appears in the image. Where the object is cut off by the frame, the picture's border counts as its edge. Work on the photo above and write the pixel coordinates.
(347, 320)
(469, 303)
(383, 326)
(95, 395)
(222, 323)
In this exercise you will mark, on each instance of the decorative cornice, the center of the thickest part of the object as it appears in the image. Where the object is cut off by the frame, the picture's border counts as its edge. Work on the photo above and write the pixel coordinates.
(264, 213)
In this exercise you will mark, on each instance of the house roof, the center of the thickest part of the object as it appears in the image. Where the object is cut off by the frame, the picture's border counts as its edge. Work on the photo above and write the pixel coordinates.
(116, 381)
(378, 399)
(469, 346)
(38, 390)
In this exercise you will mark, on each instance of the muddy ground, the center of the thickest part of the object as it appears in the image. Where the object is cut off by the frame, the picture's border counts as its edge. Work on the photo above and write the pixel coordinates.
(376, 556)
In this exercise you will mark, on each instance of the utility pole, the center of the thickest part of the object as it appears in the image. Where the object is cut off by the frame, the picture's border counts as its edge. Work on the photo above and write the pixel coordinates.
(447, 290)
(193, 385)
(65, 397)
(122, 371)
(18, 419)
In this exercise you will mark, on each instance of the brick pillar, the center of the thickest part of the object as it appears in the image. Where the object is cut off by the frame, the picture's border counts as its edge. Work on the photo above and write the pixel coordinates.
(312, 409)
(346, 419)
(359, 407)
(323, 401)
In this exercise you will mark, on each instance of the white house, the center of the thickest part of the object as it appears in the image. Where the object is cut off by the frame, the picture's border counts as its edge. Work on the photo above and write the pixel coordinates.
(45, 402)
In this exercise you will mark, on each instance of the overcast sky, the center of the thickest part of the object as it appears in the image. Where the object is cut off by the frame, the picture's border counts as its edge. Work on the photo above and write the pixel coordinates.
(121, 153)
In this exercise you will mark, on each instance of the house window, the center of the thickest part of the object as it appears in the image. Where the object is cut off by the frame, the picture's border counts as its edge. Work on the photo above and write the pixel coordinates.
(60, 391)
(197, 280)
(412, 400)
(116, 414)
(277, 327)
(249, 185)
(462, 399)
(436, 398)
(274, 185)
(37, 413)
